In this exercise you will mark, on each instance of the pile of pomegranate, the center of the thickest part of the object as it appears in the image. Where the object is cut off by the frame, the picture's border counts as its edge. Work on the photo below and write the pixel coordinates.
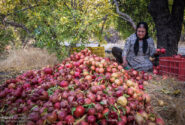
(83, 90)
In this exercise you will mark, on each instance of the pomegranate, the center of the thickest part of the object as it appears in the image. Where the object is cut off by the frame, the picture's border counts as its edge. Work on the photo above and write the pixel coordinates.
(163, 51)
(62, 114)
(91, 119)
(63, 84)
(159, 121)
(48, 71)
(80, 110)
(69, 119)
(91, 111)
(57, 105)
(34, 116)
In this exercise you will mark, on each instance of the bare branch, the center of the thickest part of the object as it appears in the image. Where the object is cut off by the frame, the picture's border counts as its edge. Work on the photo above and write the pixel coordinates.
(124, 16)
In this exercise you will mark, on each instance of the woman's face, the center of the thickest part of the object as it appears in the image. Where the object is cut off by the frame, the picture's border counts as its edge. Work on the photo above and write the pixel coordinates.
(141, 32)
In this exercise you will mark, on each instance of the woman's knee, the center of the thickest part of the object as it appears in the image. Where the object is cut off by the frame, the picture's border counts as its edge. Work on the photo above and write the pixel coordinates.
(116, 50)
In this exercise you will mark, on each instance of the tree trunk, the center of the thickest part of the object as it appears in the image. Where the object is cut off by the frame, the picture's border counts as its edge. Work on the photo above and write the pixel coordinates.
(168, 25)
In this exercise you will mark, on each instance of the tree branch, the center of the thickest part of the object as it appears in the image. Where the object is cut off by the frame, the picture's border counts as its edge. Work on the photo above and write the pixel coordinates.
(124, 16)
(16, 25)
(104, 20)
(71, 11)
(30, 7)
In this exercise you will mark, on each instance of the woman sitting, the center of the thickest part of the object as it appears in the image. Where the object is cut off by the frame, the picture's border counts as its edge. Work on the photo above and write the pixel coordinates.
(139, 47)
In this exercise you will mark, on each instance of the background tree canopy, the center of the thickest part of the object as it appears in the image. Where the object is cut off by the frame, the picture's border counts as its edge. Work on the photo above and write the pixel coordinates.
(52, 22)
(138, 10)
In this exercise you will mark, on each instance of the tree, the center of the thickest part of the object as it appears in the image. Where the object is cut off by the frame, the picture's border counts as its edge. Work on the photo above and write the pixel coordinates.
(168, 23)
(51, 22)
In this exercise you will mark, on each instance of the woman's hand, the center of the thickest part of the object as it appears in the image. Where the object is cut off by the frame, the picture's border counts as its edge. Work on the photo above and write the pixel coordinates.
(124, 62)
(152, 59)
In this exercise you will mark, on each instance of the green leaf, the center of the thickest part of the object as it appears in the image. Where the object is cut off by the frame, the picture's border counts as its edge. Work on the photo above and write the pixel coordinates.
(106, 115)
(46, 109)
(114, 109)
(102, 103)
(151, 115)
(99, 121)
(71, 87)
(107, 89)
(104, 91)
(119, 117)
(126, 95)
(89, 105)
(124, 110)
(52, 89)
(34, 107)
(73, 109)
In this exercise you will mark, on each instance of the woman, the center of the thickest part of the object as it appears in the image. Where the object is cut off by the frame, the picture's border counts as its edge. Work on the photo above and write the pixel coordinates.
(139, 47)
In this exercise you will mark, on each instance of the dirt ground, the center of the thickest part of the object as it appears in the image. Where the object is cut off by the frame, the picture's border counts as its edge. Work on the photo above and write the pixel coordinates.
(168, 99)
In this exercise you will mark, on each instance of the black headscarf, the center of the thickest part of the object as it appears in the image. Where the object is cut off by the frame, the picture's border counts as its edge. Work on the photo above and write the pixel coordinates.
(145, 43)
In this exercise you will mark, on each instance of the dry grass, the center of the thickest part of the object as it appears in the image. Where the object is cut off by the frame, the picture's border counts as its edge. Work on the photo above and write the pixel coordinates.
(26, 59)
(171, 93)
